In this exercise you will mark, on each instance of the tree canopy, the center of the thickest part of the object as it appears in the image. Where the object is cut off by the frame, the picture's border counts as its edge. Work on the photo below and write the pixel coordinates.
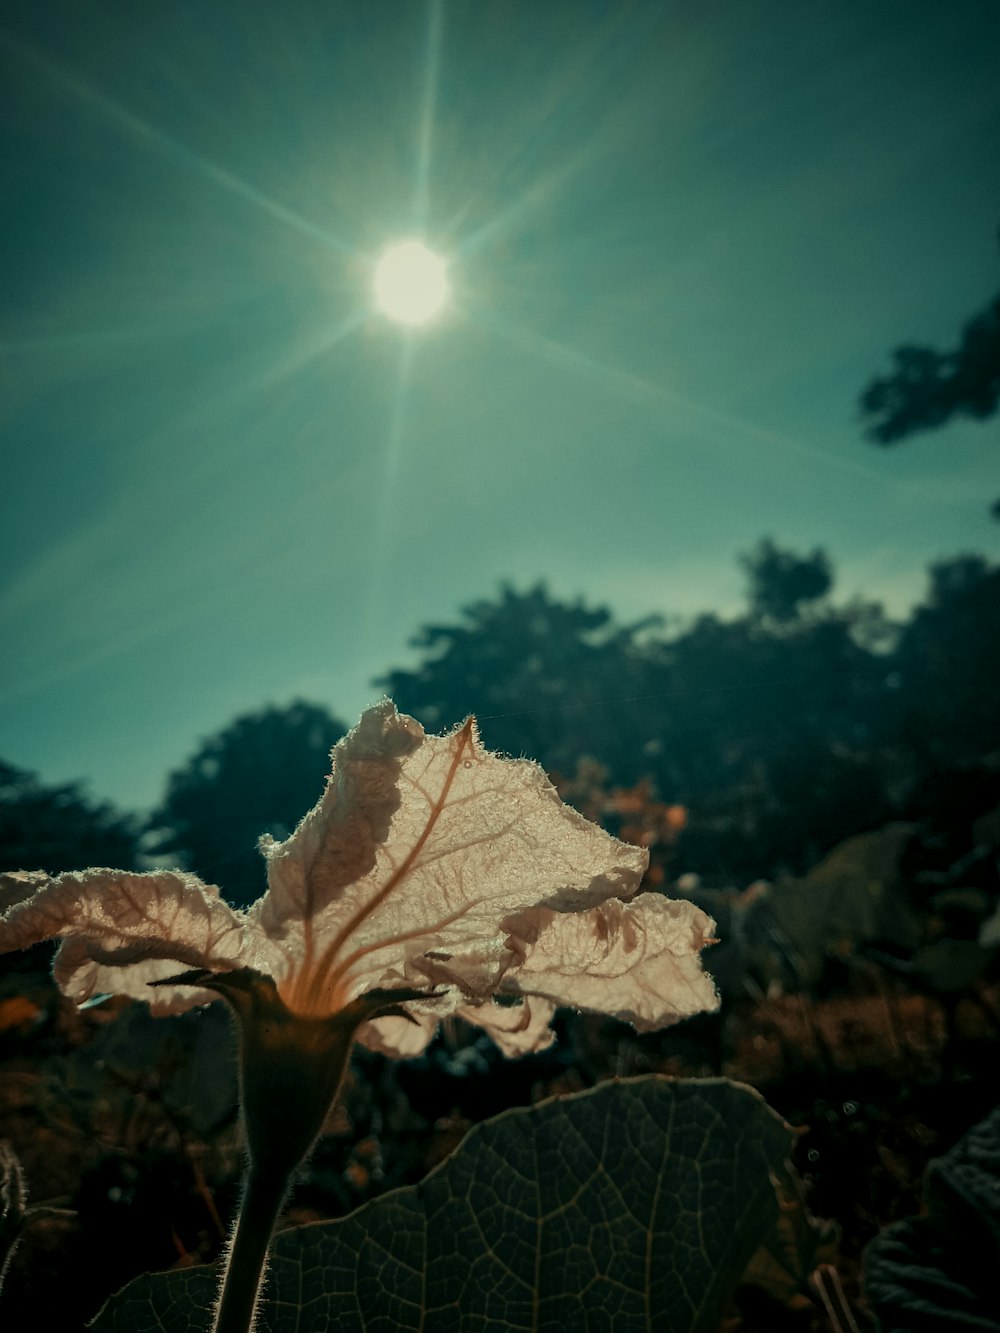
(783, 583)
(539, 674)
(947, 704)
(782, 730)
(258, 775)
(729, 717)
(926, 388)
(60, 828)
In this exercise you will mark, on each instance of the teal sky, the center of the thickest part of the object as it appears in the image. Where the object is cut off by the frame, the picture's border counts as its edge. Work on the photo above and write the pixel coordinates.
(682, 238)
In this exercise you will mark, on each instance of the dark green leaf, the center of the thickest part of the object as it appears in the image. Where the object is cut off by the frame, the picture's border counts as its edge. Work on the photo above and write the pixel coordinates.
(939, 1271)
(853, 897)
(635, 1206)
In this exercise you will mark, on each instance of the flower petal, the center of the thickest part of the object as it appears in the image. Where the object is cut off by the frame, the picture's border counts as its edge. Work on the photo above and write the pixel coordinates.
(518, 1029)
(123, 930)
(337, 844)
(16, 886)
(80, 974)
(423, 844)
(400, 1038)
(638, 961)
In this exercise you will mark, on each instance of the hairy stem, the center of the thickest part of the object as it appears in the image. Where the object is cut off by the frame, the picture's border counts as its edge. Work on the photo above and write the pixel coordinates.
(291, 1069)
(241, 1285)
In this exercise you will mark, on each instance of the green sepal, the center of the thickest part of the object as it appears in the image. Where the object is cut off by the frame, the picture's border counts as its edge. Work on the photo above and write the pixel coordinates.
(291, 1065)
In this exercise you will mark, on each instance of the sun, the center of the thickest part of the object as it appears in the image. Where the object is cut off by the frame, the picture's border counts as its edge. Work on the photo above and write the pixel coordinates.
(411, 283)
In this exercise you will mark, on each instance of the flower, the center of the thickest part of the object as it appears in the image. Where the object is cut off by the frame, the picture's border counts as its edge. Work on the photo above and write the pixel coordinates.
(432, 876)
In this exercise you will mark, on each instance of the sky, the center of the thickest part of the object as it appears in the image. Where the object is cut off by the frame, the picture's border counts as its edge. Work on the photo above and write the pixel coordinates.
(681, 238)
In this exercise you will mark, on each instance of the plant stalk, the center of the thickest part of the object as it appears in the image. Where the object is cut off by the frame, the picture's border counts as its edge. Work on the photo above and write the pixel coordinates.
(263, 1197)
(291, 1069)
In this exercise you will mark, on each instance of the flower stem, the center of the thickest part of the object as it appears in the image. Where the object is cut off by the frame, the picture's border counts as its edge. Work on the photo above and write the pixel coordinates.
(262, 1199)
(291, 1069)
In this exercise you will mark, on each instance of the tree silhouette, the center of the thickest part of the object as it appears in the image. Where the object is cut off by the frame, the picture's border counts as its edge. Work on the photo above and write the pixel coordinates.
(927, 388)
(945, 667)
(773, 737)
(781, 583)
(258, 775)
(768, 727)
(59, 828)
(548, 679)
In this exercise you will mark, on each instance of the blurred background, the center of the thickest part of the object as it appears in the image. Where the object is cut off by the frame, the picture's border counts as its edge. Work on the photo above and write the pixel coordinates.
(687, 486)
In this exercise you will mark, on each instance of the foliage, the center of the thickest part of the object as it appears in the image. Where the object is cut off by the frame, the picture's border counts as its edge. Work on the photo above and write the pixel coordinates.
(59, 828)
(851, 763)
(635, 1205)
(855, 898)
(254, 777)
(926, 388)
(538, 674)
(432, 877)
(939, 1270)
(732, 719)
(130, 1120)
(948, 712)
(754, 723)
(781, 730)
(782, 583)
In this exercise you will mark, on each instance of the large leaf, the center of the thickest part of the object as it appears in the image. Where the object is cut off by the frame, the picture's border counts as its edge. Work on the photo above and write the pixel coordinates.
(634, 1206)
(191, 1056)
(854, 897)
(939, 1271)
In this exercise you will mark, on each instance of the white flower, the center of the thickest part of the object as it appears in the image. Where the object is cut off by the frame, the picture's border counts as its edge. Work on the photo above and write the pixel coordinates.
(429, 868)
